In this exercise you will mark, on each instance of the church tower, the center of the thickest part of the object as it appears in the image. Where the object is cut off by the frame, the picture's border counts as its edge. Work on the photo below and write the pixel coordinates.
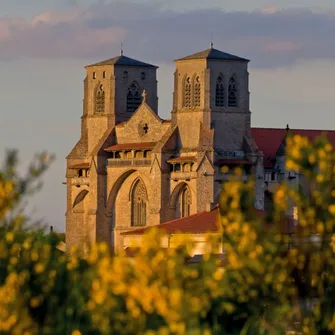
(112, 93)
(211, 88)
(211, 110)
(132, 169)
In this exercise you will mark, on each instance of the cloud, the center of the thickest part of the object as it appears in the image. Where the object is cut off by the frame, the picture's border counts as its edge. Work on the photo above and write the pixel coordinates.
(270, 37)
(269, 10)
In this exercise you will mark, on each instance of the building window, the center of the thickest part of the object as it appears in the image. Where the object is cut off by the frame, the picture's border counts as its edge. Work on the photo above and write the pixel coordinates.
(139, 204)
(197, 91)
(125, 74)
(104, 74)
(143, 75)
(187, 92)
(219, 92)
(185, 202)
(232, 93)
(94, 75)
(271, 176)
(100, 100)
(134, 98)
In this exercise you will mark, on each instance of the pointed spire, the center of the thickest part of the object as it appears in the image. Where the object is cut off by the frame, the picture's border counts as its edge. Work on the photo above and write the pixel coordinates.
(282, 147)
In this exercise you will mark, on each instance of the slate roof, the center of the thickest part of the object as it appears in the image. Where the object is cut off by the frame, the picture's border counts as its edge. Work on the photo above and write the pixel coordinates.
(233, 162)
(123, 60)
(268, 140)
(212, 53)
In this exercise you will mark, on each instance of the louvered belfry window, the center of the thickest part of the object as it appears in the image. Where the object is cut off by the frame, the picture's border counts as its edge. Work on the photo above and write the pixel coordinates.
(232, 93)
(100, 100)
(197, 92)
(219, 92)
(187, 92)
(134, 97)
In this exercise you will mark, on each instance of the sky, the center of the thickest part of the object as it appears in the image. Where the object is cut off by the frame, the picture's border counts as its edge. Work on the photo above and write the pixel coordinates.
(44, 46)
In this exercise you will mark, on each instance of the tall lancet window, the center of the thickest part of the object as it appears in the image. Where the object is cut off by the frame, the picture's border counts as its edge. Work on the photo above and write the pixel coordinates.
(139, 204)
(219, 92)
(232, 93)
(100, 100)
(185, 203)
(134, 97)
(197, 91)
(187, 92)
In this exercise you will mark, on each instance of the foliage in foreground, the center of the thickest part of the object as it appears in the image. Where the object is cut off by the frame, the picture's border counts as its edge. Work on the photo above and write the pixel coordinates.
(264, 287)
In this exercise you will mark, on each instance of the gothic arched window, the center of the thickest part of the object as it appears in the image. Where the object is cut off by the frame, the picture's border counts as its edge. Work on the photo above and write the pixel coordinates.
(232, 93)
(185, 202)
(187, 92)
(197, 91)
(139, 204)
(134, 97)
(219, 92)
(100, 100)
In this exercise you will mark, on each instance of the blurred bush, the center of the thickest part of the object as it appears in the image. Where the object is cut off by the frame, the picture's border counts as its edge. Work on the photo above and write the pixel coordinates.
(271, 281)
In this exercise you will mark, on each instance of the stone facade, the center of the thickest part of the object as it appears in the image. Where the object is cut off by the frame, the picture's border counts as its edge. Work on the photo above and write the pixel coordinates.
(131, 168)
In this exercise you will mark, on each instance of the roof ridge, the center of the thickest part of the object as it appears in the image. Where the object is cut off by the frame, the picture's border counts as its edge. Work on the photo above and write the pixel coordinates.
(183, 218)
(212, 53)
(292, 129)
(122, 60)
(165, 223)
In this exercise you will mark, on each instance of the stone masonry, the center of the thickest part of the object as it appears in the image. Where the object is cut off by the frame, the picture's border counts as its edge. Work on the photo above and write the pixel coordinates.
(131, 168)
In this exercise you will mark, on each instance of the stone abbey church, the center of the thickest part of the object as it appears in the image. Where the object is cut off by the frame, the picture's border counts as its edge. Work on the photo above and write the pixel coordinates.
(130, 168)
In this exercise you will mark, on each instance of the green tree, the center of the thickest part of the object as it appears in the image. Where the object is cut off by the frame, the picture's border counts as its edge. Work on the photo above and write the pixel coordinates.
(264, 287)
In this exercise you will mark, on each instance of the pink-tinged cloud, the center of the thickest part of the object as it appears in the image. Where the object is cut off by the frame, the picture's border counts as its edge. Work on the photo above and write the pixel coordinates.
(54, 17)
(151, 33)
(269, 10)
(280, 46)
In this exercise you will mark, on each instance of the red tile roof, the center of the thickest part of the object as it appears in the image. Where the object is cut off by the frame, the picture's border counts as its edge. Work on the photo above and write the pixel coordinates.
(125, 146)
(206, 222)
(203, 222)
(268, 140)
(80, 166)
(182, 159)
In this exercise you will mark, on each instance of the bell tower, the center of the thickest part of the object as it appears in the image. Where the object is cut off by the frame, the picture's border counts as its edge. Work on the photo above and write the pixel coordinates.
(112, 93)
(211, 90)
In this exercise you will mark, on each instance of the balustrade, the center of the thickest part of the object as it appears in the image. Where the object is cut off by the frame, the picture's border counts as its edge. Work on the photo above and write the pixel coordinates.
(128, 162)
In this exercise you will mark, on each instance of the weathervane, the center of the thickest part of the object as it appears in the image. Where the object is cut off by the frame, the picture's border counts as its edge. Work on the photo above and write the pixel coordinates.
(212, 41)
(121, 49)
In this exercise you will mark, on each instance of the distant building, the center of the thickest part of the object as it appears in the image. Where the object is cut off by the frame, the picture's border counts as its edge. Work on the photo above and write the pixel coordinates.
(131, 169)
